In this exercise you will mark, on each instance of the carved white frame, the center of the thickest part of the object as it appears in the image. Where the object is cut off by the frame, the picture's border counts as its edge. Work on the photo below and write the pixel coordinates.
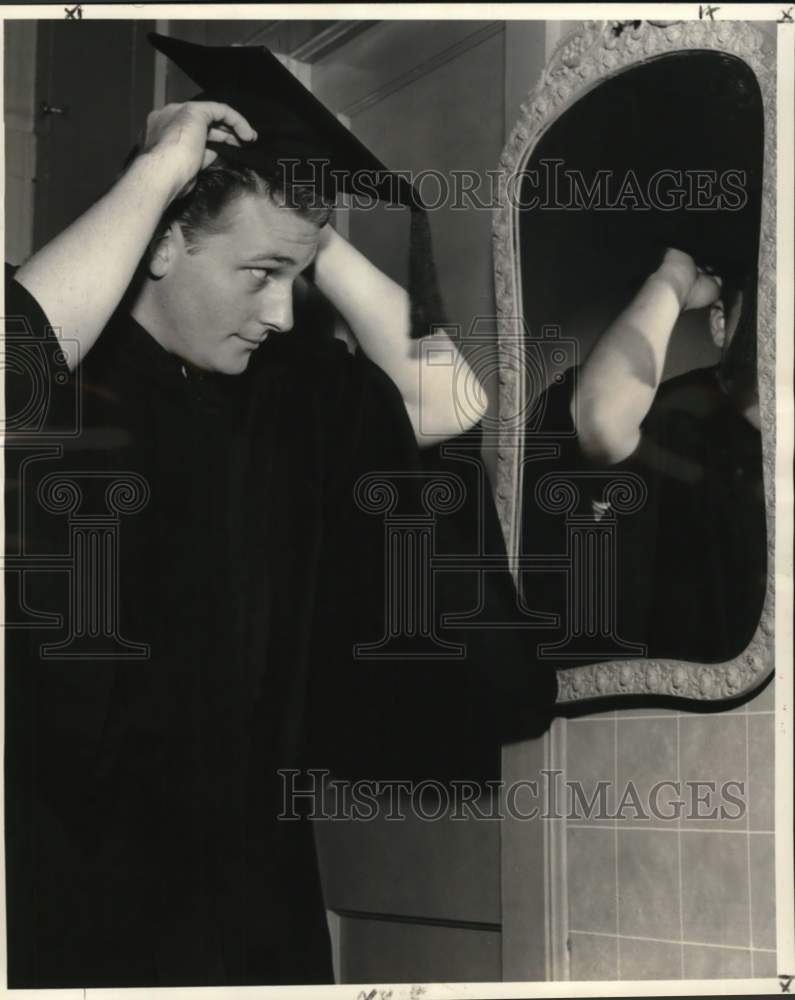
(582, 60)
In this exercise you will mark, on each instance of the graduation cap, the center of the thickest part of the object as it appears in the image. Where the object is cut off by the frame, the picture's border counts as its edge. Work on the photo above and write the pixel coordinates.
(302, 143)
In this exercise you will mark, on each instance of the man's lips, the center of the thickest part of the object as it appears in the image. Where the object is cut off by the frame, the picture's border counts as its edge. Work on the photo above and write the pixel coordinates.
(252, 341)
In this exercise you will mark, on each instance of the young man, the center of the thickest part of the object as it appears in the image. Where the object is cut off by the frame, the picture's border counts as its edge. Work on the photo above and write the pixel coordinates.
(143, 845)
(691, 561)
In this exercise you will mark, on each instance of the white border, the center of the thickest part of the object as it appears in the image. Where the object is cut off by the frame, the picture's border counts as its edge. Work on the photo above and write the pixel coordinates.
(784, 491)
(785, 358)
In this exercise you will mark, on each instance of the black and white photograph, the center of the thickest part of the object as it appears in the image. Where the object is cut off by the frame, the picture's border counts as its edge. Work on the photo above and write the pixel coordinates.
(398, 500)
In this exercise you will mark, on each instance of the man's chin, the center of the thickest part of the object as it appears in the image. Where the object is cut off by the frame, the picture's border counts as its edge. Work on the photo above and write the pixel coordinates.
(227, 362)
(233, 365)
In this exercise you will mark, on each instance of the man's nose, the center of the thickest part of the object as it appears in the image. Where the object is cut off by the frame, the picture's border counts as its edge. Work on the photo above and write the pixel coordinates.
(276, 309)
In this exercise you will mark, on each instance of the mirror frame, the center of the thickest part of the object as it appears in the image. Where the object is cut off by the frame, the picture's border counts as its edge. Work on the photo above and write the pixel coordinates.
(582, 60)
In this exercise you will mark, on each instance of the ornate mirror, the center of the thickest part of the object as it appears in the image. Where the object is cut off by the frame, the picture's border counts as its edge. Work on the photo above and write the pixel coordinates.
(635, 275)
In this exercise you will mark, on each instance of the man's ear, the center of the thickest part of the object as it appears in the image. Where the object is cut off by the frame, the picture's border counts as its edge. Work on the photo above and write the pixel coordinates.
(162, 251)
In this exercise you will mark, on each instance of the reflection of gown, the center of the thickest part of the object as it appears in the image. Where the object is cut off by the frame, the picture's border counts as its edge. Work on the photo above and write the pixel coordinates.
(691, 563)
(143, 844)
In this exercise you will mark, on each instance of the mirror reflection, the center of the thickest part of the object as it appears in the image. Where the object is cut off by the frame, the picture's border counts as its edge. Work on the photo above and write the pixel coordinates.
(642, 495)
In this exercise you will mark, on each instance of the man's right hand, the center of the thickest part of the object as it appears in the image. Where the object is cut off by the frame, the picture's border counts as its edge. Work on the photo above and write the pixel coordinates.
(694, 288)
(177, 135)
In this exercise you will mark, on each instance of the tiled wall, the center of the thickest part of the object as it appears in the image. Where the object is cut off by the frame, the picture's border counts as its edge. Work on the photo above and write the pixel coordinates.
(682, 897)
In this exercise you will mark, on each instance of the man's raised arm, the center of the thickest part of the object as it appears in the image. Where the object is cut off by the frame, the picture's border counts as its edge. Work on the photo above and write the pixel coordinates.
(621, 375)
(80, 276)
(442, 400)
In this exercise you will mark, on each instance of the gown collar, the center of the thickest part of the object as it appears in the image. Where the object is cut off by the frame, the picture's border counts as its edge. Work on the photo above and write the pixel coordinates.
(134, 348)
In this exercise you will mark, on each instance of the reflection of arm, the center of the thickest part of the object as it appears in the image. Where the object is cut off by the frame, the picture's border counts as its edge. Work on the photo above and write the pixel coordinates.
(620, 377)
(377, 311)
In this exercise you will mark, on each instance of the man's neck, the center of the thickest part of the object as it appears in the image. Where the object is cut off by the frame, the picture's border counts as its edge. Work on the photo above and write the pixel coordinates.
(147, 313)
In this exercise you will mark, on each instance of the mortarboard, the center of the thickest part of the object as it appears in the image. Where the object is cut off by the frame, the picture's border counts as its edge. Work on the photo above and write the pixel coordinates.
(302, 142)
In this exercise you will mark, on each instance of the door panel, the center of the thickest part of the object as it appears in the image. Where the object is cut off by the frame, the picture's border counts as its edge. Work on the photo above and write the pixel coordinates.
(98, 79)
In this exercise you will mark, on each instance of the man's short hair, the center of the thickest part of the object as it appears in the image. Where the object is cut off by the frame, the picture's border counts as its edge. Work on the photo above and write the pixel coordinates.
(199, 213)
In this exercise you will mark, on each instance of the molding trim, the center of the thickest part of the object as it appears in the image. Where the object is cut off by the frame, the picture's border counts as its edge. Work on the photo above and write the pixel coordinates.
(330, 39)
(556, 883)
(424, 68)
(320, 45)
(589, 55)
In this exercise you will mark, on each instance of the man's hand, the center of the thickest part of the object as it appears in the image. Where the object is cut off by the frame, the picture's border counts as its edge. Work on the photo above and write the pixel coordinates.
(176, 136)
(694, 288)
(80, 276)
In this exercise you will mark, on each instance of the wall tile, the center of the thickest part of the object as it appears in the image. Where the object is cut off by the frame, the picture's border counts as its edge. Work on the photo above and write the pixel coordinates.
(591, 877)
(593, 958)
(648, 883)
(765, 965)
(715, 888)
(649, 960)
(761, 780)
(712, 748)
(765, 700)
(763, 891)
(646, 757)
(717, 963)
(590, 758)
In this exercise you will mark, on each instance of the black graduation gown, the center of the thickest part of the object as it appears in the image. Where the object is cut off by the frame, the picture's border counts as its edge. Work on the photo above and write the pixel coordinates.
(142, 796)
(148, 850)
(691, 560)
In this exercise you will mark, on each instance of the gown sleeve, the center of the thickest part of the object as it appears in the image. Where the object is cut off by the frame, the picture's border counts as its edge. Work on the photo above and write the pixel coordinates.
(41, 417)
(415, 716)
(40, 392)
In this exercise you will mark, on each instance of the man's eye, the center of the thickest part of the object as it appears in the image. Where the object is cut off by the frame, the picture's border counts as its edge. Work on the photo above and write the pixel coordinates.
(260, 273)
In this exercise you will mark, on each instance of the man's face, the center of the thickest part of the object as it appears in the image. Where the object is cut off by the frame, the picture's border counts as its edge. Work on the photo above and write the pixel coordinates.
(220, 302)
(724, 327)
